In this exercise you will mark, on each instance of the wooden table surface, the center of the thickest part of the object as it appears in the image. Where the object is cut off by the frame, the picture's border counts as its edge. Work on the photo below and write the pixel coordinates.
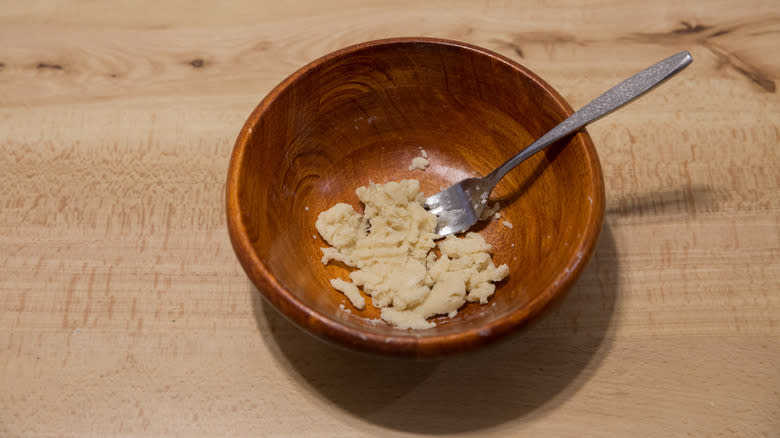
(124, 312)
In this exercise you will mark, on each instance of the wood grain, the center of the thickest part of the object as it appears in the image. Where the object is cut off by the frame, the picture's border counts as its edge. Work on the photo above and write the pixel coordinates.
(123, 310)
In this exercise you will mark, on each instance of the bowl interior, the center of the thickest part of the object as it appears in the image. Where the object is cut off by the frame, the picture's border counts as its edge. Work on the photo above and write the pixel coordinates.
(361, 115)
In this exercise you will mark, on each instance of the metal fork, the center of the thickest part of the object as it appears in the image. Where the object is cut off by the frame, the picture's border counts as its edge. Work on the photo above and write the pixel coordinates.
(461, 205)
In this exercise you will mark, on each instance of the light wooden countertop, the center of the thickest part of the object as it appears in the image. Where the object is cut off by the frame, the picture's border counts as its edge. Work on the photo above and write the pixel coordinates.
(124, 312)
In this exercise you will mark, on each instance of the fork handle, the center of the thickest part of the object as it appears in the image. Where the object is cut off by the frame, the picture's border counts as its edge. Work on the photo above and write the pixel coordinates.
(614, 98)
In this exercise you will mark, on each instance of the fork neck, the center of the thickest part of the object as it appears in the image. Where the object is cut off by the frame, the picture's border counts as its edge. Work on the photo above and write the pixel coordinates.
(495, 176)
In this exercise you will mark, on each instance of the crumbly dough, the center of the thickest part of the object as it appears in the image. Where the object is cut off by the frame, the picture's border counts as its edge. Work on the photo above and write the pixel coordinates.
(420, 162)
(390, 245)
(350, 290)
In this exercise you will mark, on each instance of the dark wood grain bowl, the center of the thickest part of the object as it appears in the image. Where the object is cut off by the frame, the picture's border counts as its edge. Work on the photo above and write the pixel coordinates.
(360, 114)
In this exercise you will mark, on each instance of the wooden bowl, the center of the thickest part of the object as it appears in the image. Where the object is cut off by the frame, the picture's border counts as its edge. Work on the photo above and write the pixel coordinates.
(360, 114)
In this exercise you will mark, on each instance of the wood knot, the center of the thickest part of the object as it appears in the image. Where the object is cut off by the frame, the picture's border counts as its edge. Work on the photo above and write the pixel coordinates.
(720, 32)
(42, 65)
(197, 63)
(689, 28)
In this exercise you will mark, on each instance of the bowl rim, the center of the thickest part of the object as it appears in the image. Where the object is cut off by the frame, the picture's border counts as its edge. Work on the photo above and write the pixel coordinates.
(412, 344)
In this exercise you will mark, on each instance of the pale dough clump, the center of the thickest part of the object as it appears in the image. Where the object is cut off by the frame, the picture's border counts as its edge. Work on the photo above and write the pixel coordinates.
(420, 162)
(390, 245)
